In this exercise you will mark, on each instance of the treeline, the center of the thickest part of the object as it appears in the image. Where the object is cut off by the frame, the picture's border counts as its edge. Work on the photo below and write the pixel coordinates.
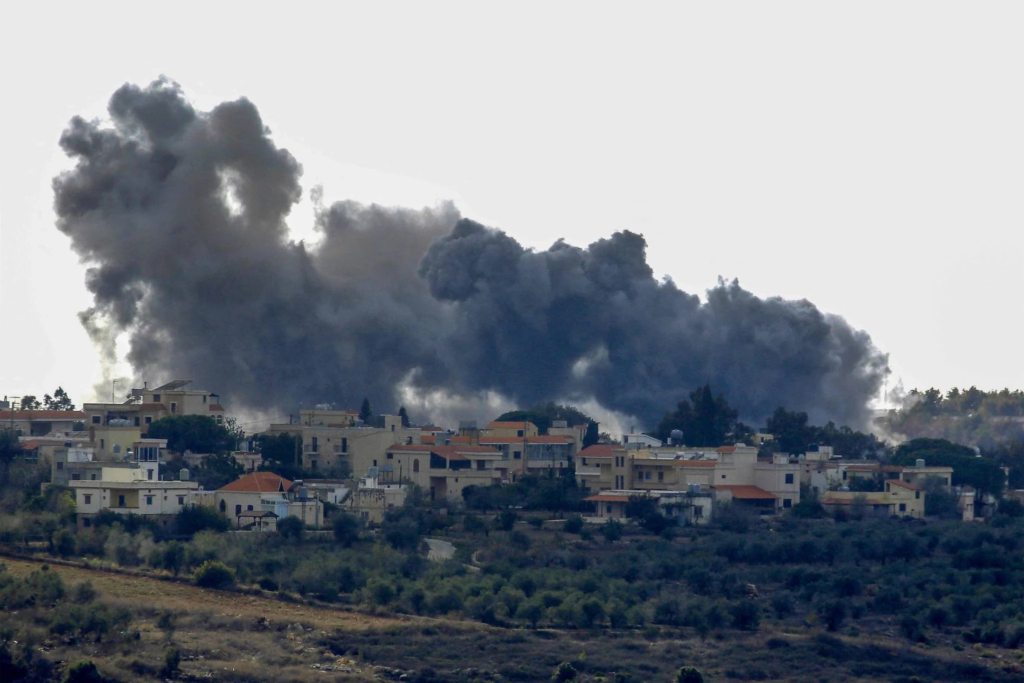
(972, 417)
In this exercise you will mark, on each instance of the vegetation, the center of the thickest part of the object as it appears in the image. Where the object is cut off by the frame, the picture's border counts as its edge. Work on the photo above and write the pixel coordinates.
(706, 420)
(544, 414)
(195, 433)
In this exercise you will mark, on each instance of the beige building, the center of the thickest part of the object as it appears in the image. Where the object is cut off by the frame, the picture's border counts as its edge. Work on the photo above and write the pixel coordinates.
(611, 467)
(899, 499)
(148, 405)
(692, 507)
(131, 491)
(372, 503)
(263, 492)
(347, 451)
(510, 429)
(444, 471)
(42, 422)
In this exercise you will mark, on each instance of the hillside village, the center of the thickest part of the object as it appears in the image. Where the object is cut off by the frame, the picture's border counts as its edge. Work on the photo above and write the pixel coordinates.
(106, 456)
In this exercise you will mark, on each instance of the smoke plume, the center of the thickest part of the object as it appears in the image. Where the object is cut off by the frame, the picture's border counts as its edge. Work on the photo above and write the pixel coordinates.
(180, 217)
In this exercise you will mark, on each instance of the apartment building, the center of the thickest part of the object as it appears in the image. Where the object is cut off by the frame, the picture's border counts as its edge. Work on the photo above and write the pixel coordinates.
(263, 492)
(345, 451)
(131, 490)
(42, 422)
(146, 405)
(899, 499)
(444, 471)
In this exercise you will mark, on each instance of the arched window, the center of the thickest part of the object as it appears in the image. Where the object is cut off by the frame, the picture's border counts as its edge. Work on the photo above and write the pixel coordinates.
(223, 506)
(416, 465)
(117, 449)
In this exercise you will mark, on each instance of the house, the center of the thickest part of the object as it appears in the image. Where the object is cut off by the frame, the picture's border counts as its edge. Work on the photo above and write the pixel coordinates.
(899, 499)
(444, 471)
(640, 441)
(338, 449)
(510, 429)
(752, 497)
(373, 499)
(146, 405)
(267, 492)
(85, 460)
(42, 422)
(530, 454)
(578, 433)
(692, 507)
(130, 490)
(605, 467)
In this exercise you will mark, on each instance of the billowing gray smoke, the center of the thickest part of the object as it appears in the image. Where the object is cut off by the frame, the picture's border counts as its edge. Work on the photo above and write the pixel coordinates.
(181, 217)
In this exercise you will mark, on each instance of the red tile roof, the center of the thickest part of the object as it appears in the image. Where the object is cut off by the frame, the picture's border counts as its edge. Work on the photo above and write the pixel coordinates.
(748, 492)
(216, 408)
(726, 449)
(29, 445)
(413, 447)
(428, 439)
(461, 439)
(258, 482)
(598, 450)
(608, 498)
(43, 415)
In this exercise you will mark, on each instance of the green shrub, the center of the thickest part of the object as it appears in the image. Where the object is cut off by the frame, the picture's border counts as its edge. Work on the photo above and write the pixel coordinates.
(573, 525)
(83, 672)
(689, 674)
(746, 615)
(564, 672)
(346, 529)
(212, 574)
(172, 661)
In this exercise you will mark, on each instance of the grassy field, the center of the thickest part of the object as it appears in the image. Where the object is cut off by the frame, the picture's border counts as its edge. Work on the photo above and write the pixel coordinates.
(228, 636)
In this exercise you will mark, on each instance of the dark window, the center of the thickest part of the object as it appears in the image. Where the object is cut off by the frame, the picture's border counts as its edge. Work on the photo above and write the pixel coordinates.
(416, 465)
(223, 506)
(312, 464)
(249, 508)
(120, 501)
(844, 475)
(608, 509)
(204, 401)
(519, 433)
(787, 503)
(480, 464)
(789, 478)
(181, 500)
(149, 475)
(517, 455)
(238, 510)
(95, 419)
(156, 398)
(344, 445)
(391, 456)
(86, 522)
(88, 499)
(723, 476)
(661, 476)
(174, 407)
(60, 466)
(316, 446)
(75, 476)
(93, 477)
(136, 420)
(903, 507)
(149, 500)
(374, 463)
(103, 444)
(917, 495)
(149, 420)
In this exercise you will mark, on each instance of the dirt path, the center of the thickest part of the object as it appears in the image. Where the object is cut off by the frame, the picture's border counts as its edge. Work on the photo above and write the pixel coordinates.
(170, 595)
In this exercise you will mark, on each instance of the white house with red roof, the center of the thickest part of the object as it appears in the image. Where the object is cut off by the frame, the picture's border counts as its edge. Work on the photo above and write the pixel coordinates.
(263, 492)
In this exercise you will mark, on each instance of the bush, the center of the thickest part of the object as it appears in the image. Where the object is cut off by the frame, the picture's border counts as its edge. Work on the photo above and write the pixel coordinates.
(83, 672)
(213, 574)
(268, 584)
(746, 615)
(689, 674)
(564, 672)
(832, 613)
(172, 661)
(611, 530)
(192, 520)
(573, 525)
(291, 528)
(782, 604)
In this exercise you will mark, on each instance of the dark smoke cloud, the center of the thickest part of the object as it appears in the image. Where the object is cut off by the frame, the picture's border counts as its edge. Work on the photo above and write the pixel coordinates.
(180, 216)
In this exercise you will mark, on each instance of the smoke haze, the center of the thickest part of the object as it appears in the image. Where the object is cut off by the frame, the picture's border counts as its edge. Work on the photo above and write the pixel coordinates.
(180, 217)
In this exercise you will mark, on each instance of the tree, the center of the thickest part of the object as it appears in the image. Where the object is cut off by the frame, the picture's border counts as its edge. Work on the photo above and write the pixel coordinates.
(280, 453)
(195, 433)
(365, 411)
(235, 432)
(217, 470)
(346, 529)
(404, 415)
(984, 474)
(192, 520)
(689, 674)
(706, 420)
(543, 414)
(30, 403)
(10, 448)
(59, 401)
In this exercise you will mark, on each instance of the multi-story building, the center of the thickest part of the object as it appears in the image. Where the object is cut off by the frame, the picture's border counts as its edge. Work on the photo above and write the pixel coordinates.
(605, 467)
(899, 499)
(148, 405)
(263, 492)
(42, 422)
(444, 471)
(131, 490)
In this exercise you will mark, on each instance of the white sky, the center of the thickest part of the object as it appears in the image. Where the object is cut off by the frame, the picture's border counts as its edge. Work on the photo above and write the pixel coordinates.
(865, 156)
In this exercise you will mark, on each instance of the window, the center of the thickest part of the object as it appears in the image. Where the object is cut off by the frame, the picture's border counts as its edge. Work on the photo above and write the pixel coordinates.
(723, 476)
(204, 401)
(374, 463)
(789, 478)
(60, 466)
(120, 501)
(787, 502)
(149, 500)
(136, 420)
(117, 449)
(75, 476)
(149, 475)
(903, 507)
(103, 444)
(480, 464)
(238, 510)
(315, 445)
(223, 506)
(181, 500)
(416, 465)
(249, 508)
(87, 498)
(312, 464)
(608, 508)
(149, 420)
(93, 476)
(344, 445)
(661, 476)
(391, 456)
(917, 495)
(517, 455)
(519, 433)
(844, 475)
(174, 407)
(95, 419)
(156, 398)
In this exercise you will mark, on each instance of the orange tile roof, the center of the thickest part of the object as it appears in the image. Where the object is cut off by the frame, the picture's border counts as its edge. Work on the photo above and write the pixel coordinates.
(428, 439)
(30, 445)
(608, 498)
(216, 408)
(43, 415)
(258, 482)
(460, 439)
(598, 450)
(509, 425)
(744, 492)
(726, 449)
